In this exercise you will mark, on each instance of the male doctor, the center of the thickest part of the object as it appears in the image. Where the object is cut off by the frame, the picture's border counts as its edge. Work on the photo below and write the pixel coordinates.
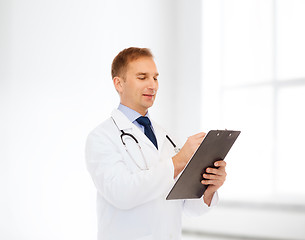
(134, 165)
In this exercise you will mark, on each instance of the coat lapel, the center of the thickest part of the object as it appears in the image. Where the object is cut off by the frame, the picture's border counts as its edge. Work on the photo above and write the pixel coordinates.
(151, 154)
(160, 135)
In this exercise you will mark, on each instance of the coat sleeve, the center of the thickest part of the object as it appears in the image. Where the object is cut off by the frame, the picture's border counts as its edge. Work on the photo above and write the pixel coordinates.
(117, 184)
(197, 207)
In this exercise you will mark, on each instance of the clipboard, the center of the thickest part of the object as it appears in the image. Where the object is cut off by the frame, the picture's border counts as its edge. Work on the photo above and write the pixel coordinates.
(215, 146)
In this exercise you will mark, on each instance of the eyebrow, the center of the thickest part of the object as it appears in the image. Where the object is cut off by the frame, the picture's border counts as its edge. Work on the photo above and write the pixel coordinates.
(143, 73)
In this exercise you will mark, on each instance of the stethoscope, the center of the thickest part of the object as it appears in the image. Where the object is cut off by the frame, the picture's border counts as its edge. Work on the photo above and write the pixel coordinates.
(124, 134)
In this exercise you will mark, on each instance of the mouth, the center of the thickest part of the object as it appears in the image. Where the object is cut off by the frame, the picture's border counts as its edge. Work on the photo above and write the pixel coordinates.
(148, 95)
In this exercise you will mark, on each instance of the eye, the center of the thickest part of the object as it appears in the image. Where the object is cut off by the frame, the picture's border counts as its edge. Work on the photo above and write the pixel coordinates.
(141, 78)
(155, 78)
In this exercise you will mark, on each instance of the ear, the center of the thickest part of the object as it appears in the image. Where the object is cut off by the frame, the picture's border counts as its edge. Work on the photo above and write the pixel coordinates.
(117, 82)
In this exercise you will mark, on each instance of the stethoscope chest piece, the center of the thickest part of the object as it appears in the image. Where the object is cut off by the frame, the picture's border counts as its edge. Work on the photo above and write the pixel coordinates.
(176, 149)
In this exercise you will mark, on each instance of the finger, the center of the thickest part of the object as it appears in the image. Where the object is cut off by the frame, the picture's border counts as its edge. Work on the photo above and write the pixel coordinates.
(212, 182)
(220, 163)
(210, 176)
(199, 135)
(214, 177)
(217, 171)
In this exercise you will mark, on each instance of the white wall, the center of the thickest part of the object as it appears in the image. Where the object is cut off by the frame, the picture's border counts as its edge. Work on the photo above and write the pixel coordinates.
(55, 86)
(189, 68)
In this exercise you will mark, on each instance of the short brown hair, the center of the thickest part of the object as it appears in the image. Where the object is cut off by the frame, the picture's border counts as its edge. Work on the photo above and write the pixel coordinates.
(120, 62)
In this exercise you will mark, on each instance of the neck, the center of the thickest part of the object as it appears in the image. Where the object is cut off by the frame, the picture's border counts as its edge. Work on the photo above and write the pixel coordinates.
(143, 112)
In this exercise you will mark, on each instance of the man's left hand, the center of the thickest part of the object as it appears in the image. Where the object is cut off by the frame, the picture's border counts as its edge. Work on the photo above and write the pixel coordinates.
(214, 178)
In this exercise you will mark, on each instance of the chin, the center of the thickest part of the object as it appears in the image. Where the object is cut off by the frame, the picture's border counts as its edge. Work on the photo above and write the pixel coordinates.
(148, 105)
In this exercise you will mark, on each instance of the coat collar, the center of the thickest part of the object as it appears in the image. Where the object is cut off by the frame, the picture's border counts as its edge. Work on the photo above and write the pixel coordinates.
(123, 123)
(121, 120)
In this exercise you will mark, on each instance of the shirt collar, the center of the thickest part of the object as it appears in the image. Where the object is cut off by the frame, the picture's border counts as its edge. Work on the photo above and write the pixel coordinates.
(131, 114)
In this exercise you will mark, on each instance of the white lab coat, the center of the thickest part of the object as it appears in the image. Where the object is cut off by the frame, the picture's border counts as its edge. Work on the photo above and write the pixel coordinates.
(131, 202)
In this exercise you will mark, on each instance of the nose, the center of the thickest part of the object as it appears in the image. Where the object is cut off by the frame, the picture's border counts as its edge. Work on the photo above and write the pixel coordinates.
(153, 84)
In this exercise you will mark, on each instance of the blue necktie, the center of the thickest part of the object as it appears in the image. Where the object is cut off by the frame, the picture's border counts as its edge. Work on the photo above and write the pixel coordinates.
(145, 122)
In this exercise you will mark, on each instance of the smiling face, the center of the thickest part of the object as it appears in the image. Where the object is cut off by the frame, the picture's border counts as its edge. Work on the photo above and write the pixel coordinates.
(139, 86)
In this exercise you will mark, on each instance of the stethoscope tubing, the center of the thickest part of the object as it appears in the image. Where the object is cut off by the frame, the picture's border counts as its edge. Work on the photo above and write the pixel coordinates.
(128, 134)
(137, 142)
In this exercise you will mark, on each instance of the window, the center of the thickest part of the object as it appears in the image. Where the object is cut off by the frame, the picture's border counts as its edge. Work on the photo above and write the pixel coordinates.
(254, 81)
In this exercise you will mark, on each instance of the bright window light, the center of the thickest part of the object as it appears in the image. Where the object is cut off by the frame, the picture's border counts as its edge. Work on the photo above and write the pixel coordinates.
(254, 81)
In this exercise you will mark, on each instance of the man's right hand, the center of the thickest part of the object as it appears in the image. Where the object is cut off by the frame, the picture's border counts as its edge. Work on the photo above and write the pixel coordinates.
(187, 151)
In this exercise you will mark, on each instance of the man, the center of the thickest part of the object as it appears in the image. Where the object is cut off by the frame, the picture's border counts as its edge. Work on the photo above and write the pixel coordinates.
(134, 165)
